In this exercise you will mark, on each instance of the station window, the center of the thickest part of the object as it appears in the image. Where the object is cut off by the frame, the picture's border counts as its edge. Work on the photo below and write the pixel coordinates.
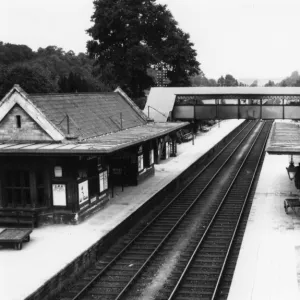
(24, 188)
(18, 121)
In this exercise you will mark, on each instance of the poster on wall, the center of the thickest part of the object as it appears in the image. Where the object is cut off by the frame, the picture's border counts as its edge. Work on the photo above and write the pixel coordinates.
(83, 192)
(105, 180)
(151, 157)
(101, 177)
(167, 150)
(140, 162)
(59, 194)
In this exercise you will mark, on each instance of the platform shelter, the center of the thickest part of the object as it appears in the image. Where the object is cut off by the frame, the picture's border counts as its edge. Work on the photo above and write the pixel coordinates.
(62, 154)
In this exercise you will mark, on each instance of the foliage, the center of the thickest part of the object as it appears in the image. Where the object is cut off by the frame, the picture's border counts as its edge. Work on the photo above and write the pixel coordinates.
(56, 70)
(32, 78)
(254, 83)
(10, 53)
(201, 80)
(270, 83)
(130, 36)
(229, 80)
(293, 80)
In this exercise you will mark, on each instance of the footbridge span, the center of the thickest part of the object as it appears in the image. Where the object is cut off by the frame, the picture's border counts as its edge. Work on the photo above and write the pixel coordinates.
(203, 103)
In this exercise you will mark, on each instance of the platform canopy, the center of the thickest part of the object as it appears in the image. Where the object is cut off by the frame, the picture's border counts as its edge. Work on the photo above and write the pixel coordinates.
(99, 145)
(284, 138)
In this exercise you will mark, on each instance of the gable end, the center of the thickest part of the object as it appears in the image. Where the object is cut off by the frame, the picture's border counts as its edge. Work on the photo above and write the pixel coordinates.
(20, 98)
(17, 125)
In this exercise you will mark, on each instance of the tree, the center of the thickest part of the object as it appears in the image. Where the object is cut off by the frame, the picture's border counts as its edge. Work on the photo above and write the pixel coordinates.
(11, 53)
(292, 80)
(55, 64)
(221, 81)
(254, 83)
(31, 79)
(201, 80)
(131, 36)
(270, 83)
(230, 81)
(212, 82)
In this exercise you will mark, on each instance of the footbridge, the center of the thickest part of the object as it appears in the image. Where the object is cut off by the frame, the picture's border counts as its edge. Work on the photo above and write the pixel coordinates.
(202, 103)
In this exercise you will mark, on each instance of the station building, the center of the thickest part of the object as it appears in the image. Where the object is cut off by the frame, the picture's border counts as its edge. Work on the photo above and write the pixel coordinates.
(61, 155)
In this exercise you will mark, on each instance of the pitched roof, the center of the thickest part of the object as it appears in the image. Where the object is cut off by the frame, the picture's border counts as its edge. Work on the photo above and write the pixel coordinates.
(88, 114)
(101, 122)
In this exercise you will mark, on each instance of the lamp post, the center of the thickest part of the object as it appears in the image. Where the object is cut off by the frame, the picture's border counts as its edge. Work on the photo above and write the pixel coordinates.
(291, 169)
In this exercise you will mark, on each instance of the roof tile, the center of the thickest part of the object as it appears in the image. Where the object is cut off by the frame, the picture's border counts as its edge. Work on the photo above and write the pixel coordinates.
(90, 114)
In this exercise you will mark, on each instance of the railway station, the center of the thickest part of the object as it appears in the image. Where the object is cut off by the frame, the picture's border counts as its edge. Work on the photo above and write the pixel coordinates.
(218, 220)
(63, 154)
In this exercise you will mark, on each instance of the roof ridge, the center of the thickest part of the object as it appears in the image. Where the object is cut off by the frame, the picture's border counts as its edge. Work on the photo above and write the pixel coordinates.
(75, 94)
(131, 103)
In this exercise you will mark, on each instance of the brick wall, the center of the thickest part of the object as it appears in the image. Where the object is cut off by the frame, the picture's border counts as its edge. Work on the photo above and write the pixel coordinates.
(29, 130)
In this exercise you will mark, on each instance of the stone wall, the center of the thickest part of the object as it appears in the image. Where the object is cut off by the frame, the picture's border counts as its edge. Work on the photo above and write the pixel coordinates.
(29, 129)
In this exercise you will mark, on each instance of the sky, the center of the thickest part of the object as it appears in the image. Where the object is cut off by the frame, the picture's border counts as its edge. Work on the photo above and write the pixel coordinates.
(246, 38)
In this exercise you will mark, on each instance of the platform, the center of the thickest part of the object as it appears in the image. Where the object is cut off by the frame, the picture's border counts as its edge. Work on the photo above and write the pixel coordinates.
(52, 248)
(268, 267)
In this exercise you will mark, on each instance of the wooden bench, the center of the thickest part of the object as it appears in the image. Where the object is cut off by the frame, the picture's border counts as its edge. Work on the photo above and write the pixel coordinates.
(15, 237)
(18, 218)
(292, 203)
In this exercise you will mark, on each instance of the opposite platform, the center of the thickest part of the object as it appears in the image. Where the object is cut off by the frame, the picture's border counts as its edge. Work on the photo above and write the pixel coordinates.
(53, 247)
(268, 267)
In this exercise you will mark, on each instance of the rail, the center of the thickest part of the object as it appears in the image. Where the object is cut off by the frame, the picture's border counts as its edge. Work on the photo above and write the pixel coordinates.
(91, 282)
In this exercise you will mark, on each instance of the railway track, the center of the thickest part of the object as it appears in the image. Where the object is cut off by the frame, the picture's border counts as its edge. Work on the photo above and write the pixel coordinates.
(176, 244)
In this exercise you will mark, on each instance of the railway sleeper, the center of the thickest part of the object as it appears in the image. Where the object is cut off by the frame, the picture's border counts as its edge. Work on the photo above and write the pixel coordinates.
(207, 270)
(214, 247)
(220, 235)
(202, 275)
(103, 297)
(210, 255)
(226, 283)
(135, 256)
(150, 239)
(128, 268)
(110, 284)
(170, 218)
(78, 285)
(203, 285)
(224, 227)
(145, 242)
(223, 292)
(114, 277)
(142, 247)
(97, 291)
(191, 295)
(157, 232)
(69, 294)
(216, 243)
(206, 264)
(213, 251)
